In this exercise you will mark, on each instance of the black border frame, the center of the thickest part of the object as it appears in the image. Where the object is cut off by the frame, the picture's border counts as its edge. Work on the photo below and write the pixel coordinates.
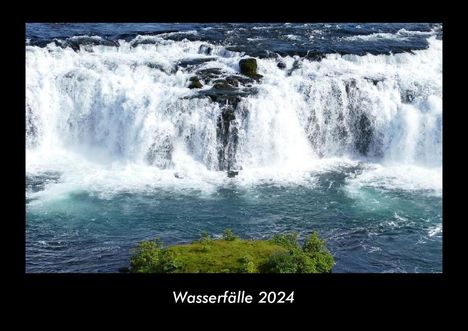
(354, 288)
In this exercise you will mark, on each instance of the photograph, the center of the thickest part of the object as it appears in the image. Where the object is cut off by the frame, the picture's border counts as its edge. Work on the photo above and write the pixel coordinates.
(233, 147)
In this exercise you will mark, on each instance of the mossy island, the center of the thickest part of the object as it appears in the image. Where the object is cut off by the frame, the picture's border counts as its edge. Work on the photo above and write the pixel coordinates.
(230, 254)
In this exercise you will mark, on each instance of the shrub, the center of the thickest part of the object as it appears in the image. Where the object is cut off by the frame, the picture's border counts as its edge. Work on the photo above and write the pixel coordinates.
(168, 262)
(313, 244)
(287, 240)
(229, 235)
(324, 262)
(146, 256)
(205, 239)
(283, 262)
(247, 264)
(316, 249)
(313, 257)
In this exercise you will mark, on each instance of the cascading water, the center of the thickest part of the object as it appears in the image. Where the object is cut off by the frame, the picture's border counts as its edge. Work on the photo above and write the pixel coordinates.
(127, 104)
(117, 116)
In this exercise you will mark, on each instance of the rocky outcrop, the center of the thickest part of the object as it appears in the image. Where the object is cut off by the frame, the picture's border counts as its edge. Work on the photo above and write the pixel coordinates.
(194, 83)
(248, 67)
(223, 93)
(194, 62)
(227, 136)
(209, 74)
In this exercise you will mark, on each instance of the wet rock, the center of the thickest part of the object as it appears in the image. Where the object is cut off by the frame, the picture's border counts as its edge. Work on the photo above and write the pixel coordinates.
(194, 83)
(296, 65)
(159, 67)
(235, 80)
(256, 77)
(228, 114)
(374, 81)
(194, 62)
(205, 49)
(227, 136)
(281, 65)
(350, 86)
(364, 134)
(408, 96)
(136, 43)
(209, 74)
(313, 56)
(222, 84)
(76, 42)
(248, 67)
(224, 93)
(232, 173)
(177, 175)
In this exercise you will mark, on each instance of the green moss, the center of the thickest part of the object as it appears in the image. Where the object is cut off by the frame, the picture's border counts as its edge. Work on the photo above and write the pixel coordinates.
(281, 254)
(248, 67)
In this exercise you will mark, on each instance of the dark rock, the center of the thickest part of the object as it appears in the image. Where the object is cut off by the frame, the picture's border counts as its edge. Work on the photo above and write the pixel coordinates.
(194, 62)
(365, 134)
(222, 84)
(374, 81)
(227, 136)
(350, 86)
(75, 42)
(248, 67)
(408, 96)
(257, 77)
(281, 65)
(228, 114)
(194, 83)
(177, 175)
(235, 80)
(230, 95)
(136, 43)
(296, 65)
(232, 173)
(153, 65)
(124, 269)
(313, 56)
(205, 49)
(209, 74)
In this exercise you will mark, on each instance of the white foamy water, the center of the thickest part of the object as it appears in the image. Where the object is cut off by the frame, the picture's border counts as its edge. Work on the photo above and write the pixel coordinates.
(122, 118)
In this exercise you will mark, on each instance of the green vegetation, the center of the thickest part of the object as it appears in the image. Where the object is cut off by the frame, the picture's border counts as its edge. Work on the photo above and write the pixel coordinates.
(280, 254)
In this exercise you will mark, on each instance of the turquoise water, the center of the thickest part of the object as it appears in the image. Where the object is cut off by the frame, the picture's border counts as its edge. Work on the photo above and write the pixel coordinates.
(367, 230)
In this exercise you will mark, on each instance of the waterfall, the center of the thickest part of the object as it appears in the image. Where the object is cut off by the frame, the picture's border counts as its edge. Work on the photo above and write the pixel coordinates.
(128, 103)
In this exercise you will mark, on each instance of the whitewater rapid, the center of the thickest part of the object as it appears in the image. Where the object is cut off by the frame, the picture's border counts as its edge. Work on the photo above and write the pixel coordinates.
(111, 119)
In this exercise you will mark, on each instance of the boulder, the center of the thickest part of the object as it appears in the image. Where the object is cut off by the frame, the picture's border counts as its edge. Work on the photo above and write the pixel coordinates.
(194, 83)
(281, 65)
(248, 67)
